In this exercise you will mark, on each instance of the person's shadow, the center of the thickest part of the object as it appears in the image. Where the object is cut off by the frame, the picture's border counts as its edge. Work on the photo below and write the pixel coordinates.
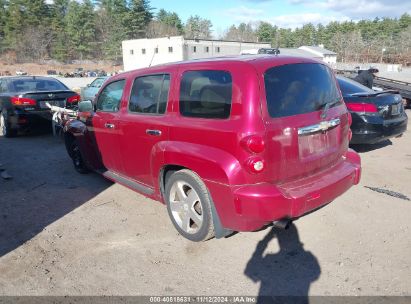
(285, 276)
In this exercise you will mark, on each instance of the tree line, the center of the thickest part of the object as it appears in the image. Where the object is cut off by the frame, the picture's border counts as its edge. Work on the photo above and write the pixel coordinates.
(34, 30)
(379, 40)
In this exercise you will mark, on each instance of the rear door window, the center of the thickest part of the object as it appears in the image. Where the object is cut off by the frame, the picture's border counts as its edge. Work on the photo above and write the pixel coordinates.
(150, 94)
(299, 88)
(206, 94)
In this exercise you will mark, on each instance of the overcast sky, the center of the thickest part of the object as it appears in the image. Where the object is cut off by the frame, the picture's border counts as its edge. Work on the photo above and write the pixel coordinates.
(283, 13)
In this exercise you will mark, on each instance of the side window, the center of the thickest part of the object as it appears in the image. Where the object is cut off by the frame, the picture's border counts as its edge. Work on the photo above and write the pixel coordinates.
(206, 94)
(150, 94)
(3, 86)
(110, 97)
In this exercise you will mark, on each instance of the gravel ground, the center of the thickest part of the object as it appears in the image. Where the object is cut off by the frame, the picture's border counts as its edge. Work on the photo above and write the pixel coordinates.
(62, 233)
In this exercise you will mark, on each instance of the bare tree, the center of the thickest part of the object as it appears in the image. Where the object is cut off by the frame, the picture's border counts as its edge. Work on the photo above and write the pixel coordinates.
(156, 29)
(34, 44)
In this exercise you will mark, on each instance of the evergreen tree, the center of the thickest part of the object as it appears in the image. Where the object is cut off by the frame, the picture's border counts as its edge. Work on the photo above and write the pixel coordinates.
(170, 19)
(138, 17)
(58, 11)
(265, 32)
(15, 23)
(3, 20)
(405, 21)
(80, 29)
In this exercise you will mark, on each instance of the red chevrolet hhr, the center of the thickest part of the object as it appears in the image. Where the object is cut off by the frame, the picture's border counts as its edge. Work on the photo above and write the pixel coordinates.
(228, 144)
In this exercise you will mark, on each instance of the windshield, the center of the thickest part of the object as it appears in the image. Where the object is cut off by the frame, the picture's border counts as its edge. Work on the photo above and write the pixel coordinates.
(349, 86)
(299, 88)
(36, 84)
(98, 82)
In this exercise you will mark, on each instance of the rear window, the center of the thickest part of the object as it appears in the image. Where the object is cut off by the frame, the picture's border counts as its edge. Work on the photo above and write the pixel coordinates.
(206, 94)
(299, 88)
(33, 85)
(349, 86)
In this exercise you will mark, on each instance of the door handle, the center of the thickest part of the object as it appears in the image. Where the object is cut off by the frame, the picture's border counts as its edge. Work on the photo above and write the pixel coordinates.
(153, 132)
(109, 126)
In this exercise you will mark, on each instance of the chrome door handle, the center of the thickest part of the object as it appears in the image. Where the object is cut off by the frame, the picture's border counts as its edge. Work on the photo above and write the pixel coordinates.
(109, 126)
(153, 132)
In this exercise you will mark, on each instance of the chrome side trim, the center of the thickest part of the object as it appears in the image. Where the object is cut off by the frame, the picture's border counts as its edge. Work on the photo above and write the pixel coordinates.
(321, 127)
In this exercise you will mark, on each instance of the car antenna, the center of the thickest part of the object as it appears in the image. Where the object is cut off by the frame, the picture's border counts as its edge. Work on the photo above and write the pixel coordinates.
(152, 58)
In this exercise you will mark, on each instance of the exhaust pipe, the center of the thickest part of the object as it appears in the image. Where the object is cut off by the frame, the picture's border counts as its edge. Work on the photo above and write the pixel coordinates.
(282, 224)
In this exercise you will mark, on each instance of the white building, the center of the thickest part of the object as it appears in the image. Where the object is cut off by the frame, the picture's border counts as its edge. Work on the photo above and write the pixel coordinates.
(298, 53)
(325, 55)
(141, 53)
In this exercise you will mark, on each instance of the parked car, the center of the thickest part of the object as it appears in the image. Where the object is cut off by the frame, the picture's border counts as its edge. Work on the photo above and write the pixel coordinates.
(79, 72)
(229, 144)
(90, 91)
(376, 115)
(21, 73)
(25, 100)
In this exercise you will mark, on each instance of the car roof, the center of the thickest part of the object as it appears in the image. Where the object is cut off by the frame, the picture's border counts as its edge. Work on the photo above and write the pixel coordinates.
(260, 62)
(30, 77)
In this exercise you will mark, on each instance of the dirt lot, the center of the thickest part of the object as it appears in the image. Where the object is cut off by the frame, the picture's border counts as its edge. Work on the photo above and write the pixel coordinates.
(62, 233)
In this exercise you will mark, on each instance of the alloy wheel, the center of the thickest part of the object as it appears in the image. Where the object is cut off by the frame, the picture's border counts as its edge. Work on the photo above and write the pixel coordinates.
(186, 207)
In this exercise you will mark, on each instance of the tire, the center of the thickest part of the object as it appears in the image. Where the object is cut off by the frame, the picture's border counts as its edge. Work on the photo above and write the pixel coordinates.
(77, 158)
(189, 206)
(5, 129)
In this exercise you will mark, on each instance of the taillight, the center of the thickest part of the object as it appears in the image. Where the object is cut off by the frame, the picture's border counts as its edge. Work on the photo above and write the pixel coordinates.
(21, 101)
(362, 107)
(75, 98)
(253, 143)
(255, 164)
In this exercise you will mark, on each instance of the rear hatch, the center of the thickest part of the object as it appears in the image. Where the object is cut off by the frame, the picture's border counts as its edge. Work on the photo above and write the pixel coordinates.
(307, 123)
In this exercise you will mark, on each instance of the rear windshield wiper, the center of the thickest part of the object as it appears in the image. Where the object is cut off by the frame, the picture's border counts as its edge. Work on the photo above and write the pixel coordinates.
(326, 106)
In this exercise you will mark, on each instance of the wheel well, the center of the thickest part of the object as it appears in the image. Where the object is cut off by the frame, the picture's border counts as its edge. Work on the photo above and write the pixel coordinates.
(165, 173)
(68, 139)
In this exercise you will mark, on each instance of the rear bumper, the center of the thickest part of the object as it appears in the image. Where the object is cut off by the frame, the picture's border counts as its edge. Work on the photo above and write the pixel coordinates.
(257, 205)
(371, 132)
(24, 120)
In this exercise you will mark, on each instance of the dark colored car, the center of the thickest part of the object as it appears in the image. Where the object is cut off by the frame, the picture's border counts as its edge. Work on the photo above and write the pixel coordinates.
(228, 144)
(25, 101)
(270, 51)
(376, 115)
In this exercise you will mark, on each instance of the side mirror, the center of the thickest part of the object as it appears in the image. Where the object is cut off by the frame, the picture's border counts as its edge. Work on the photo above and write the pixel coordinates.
(85, 106)
(88, 85)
